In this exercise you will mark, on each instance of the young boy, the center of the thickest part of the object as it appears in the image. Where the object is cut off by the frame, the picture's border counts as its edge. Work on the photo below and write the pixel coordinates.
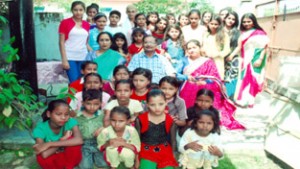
(90, 124)
(114, 18)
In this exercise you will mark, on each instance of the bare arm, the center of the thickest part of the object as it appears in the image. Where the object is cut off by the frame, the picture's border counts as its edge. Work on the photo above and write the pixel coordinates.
(106, 119)
(173, 137)
(236, 50)
(62, 50)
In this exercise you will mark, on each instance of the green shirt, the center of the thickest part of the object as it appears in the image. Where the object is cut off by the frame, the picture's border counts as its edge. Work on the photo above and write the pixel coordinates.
(44, 132)
(88, 125)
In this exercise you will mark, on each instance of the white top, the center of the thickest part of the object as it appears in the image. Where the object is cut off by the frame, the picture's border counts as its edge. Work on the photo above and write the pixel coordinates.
(114, 30)
(75, 45)
(134, 106)
(190, 33)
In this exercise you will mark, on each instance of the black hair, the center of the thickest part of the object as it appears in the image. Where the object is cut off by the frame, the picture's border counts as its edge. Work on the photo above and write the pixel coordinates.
(120, 110)
(114, 45)
(235, 33)
(99, 15)
(155, 93)
(120, 67)
(159, 19)
(216, 128)
(172, 81)
(196, 42)
(142, 71)
(123, 81)
(115, 12)
(93, 74)
(91, 94)
(169, 15)
(86, 63)
(148, 16)
(105, 33)
(93, 5)
(75, 3)
(254, 20)
(51, 106)
(194, 11)
(135, 18)
(219, 32)
(205, 12)
(206, 92)
(136, 31)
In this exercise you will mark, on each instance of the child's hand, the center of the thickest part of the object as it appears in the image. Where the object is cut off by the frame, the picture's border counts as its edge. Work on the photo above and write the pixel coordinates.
(175, 119)
(116, 142)
(97, 132)
(67, 135)
(257, 63)
(194, 146)
(39, 148)
(214, 150)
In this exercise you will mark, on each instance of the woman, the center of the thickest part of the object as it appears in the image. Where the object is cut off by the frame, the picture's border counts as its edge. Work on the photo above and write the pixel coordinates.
(252, 44)
(231, 24)
(73, 34)
(201, 72)
(106, 58)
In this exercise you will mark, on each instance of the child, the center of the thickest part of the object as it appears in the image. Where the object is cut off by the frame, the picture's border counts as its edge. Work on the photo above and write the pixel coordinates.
(206, 18)
(171, 18)
(91, 81)
(91, 12)
(119, 44)
(152, 19)
(128, 22)
(183, 20)
(216, 44)
(114, 18)
(100, 21)
(176, 106)
(157, 132)
(90, 121)
(172, 47)
(123, 92)
(201, 144)
(120, 72)
(193, 30)
(137, 41)
(58, 139)
(141, 79)
(120, 142)
(160, 29)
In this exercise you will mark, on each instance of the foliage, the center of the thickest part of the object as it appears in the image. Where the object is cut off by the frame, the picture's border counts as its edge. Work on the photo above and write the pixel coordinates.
(66, 4)
(174, 6)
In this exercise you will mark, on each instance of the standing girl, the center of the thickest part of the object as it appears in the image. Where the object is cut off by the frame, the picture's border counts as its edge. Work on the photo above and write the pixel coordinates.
(120, 45)
(152, 19)
(231, 64)
(183, 20)
(160, 29)
(139, 22)
(91, 12)
(73, 35)
(119, 141)
(141, 79)
(171, 18)
(120, 72)
(216, 44)
(100, 20)
(58, 139)
(206, 18)
(158, 134)
(176, 105)
(137, 35)
(123, 92)
(172, 47)
(201, 144)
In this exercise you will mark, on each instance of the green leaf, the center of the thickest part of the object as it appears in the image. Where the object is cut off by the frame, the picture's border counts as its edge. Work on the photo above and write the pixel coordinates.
(28, 122)
(12, 39)
(8, 93)
(10, 121)
(21, 97)
(6, 48)
(73, 91)
(3, 20)
(16, 88)
(2, 99)
(64, 90)
(61, 96)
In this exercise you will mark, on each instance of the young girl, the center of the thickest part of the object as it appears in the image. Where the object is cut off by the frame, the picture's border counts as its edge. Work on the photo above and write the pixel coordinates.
(172, 47)
(206, 17)
(91, 81)
(120, 45)
(58, 139)
(160, 29)
(120, 72)
(123, 92)
(91, 12)
(183, 20)
(141, 79)
(157, 132)
(119, 141)
(137, 41)
(171, 18)
(216, 44)
(201, 144)
(100, 21)
(176, 106)
(139, 22)
(152, 19)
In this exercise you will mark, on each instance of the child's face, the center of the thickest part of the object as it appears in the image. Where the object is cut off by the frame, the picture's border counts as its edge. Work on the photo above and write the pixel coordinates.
(171, 20)
(92, 12)
(118, 121)
(123, 92)
(157, 105)
(204, 125)
(140, 82)
(204, 102)
(93, 82)
(153, 18)
(174, 33)
(161, 25)
(114, 19)
(193, 50)
(90, 68)
(104, 42)
(122, 74)
(213, 26)
(206, 18)
(247, 23)
(91, 106)
(183, 20)
(78, 12)
(194, 19)
(120, 42)
(59, 116)
(230, 20)
(169, 90)
(138, 37)
(101, 23)
(223, 14)
(141, 21)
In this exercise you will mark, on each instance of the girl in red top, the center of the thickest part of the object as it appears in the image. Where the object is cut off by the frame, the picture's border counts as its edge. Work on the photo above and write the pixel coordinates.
(160, 29)
(137, 41)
